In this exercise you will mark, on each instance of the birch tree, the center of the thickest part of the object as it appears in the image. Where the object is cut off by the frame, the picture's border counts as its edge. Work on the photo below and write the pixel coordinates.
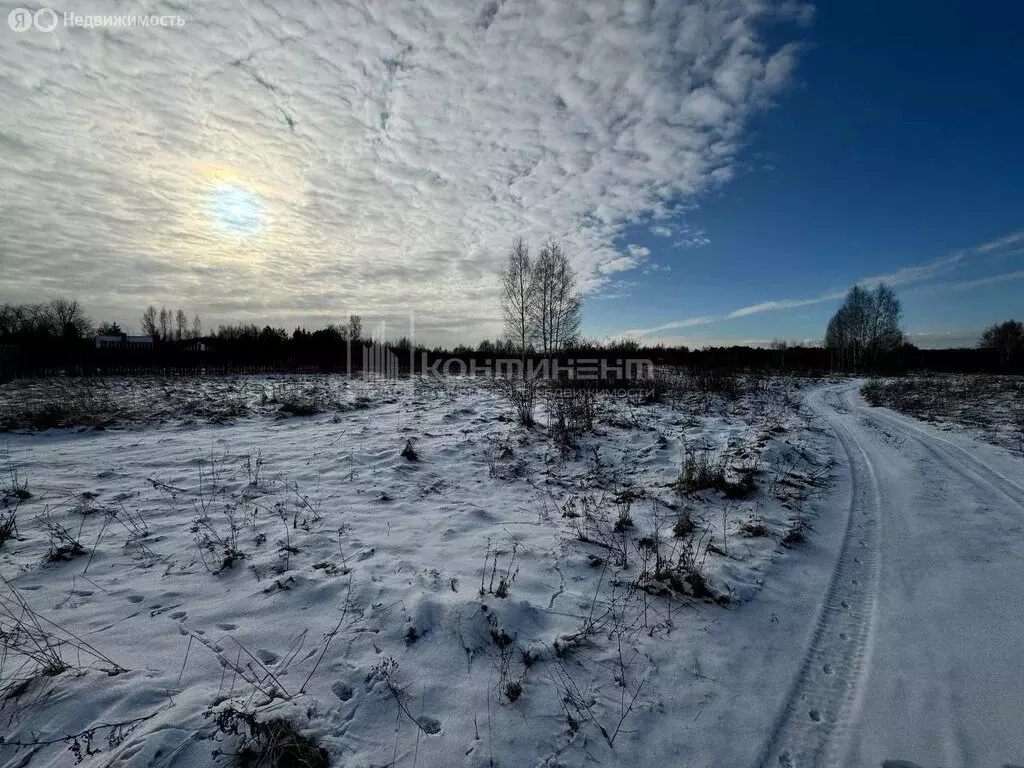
(865, 326)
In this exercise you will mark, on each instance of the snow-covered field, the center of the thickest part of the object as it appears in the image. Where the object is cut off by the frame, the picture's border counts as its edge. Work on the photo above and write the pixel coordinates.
(103, 402)
(788, 578)
(487, 598)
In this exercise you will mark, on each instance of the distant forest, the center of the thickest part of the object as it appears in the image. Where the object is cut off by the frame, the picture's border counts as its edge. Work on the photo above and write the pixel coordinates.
(57, 338)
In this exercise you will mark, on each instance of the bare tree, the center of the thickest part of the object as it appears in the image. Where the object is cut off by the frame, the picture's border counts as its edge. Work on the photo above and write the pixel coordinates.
(885, 333)
(181, 321)
(865, 326)
(166, 318)
(518, 292)
(10, 320)
(354, 330)
(518, 297)
(556, 303)
(197, 326)
(38, 319)
(148, 320)
(68, 318)
(28, 319)
(1007, 338)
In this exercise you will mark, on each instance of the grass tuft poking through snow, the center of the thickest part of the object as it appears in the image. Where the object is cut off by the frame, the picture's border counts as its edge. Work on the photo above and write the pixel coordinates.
(269, 743)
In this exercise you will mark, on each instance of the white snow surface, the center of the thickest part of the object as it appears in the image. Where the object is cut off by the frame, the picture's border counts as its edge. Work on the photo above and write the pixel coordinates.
(891, 634)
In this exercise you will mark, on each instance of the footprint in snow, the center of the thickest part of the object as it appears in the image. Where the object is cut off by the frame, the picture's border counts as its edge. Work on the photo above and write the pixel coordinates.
(135, 598)
(227, 626)
(267, 657)
(429, 725)
(342, 690)
(179, 615)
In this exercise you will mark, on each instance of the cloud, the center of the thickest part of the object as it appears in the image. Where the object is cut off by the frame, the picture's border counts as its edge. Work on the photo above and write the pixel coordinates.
(770, 306)
(614, 289)
(621, 264)
(655, 268)
(1000, 243)
(687, 323)
(944, 264)
(991, 280)
(685, 341)
(692, 238)
(779, 68)
(917, 273)
(394, 149)
(661, 231)
(903, 276)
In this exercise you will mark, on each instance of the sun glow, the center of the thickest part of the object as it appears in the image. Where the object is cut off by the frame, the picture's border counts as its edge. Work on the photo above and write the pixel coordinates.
(235, 210)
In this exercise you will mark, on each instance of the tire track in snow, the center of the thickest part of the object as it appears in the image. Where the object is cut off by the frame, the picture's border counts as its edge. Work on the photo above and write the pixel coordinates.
(812, 728)
(953, 456)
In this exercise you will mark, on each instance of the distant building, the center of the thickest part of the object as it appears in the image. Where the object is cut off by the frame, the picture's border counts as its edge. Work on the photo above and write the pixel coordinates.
(103, 342)
(123, 341)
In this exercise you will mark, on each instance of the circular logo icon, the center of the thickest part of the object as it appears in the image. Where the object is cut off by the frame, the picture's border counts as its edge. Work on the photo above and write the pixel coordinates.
(45, 19)
(20, 19)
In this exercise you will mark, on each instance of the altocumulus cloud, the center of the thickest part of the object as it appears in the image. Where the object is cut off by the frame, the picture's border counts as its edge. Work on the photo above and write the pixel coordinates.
(296, 161)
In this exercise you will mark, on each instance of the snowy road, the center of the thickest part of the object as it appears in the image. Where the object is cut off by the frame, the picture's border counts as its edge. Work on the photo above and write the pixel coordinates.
(917, 657)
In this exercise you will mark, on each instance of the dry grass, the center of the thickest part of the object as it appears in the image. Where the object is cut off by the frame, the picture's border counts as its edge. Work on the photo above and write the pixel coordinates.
(271, 743)
(990, 404)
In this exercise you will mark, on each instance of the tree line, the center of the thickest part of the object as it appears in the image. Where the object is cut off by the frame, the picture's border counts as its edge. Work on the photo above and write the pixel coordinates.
(541, 309)
(60, 317)
(864, 335)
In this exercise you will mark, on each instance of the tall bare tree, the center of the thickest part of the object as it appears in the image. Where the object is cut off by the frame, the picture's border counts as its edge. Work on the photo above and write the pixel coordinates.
(865, 326)
(181, 323)
(197, 326)
(166, 318)
(518, 293)
(354, 329)
(149, 322)
(68, 318)
(556, 305)
(519, 315)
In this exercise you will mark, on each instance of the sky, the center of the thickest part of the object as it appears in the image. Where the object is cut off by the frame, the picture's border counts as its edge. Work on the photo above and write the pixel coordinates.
(719, 172)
